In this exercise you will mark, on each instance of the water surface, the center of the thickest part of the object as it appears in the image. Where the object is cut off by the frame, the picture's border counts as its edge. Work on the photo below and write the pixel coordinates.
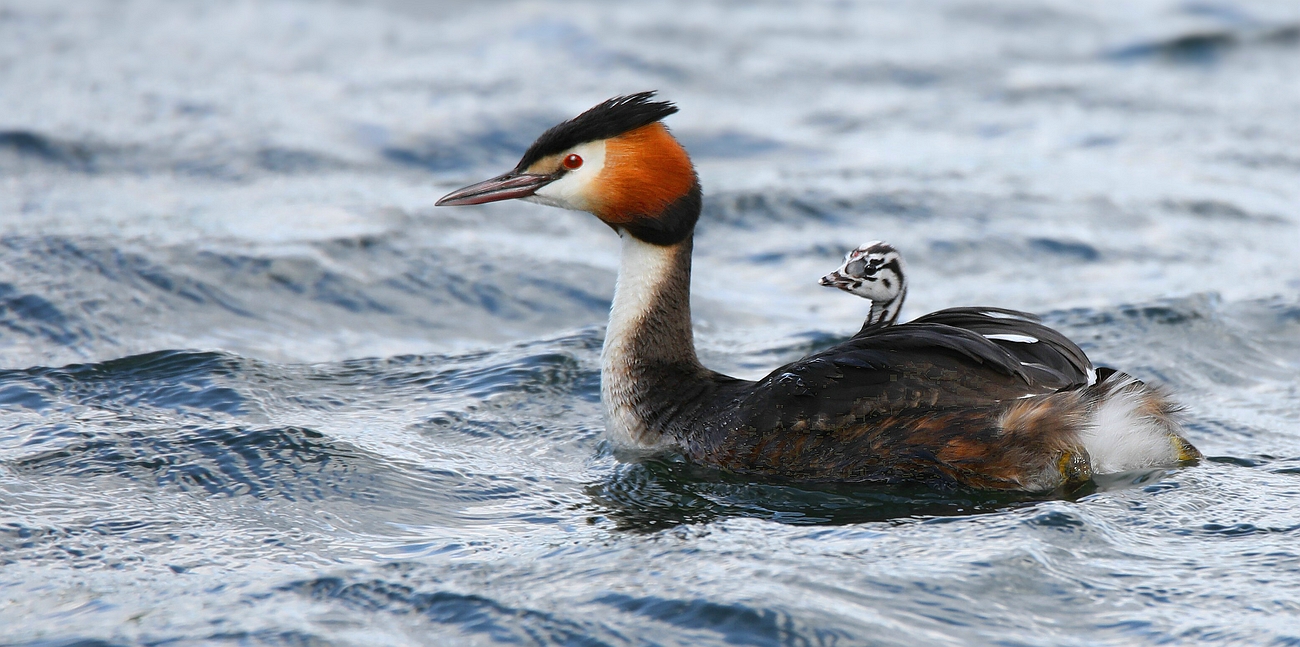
(255, 389)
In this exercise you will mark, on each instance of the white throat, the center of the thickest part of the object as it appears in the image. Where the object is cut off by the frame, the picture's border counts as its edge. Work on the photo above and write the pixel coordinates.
(886, 311)
(643, 270)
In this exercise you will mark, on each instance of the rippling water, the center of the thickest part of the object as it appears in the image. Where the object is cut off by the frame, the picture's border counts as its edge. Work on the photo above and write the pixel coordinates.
(256, 390)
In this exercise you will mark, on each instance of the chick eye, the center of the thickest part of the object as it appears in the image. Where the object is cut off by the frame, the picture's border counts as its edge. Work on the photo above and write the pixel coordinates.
(572, 162)
(855, 268)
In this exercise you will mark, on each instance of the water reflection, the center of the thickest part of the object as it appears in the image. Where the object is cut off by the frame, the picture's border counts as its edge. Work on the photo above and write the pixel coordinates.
(653, 494)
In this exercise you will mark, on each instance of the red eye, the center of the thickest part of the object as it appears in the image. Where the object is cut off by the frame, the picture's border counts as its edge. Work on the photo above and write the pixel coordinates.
(572, 162)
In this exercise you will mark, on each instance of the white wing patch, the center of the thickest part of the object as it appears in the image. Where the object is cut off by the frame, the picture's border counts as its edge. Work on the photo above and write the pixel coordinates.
(1002, 315)
(1019, 339)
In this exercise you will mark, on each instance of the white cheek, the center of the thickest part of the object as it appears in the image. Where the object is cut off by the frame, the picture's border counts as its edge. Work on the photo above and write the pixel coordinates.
(873, 292)
(574, 190)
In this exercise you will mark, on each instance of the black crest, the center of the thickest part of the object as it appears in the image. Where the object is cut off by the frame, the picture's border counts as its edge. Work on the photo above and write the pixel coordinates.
(609, 119)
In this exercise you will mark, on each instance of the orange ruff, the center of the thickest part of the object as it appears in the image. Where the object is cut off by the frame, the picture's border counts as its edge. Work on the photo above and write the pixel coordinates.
(645, 171)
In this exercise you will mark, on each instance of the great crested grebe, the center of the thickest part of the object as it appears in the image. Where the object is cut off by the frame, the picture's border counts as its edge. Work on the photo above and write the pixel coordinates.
(945, 399)
(873, 271)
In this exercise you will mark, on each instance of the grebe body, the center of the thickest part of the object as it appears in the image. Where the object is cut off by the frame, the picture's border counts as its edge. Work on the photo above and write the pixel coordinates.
(945, 399)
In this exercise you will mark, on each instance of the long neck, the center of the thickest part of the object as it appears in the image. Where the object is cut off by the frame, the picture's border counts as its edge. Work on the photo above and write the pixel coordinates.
(875, 315)
(650, 374)
(886, 312)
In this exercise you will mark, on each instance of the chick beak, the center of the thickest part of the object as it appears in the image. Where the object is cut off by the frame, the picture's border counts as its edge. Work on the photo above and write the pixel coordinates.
(835, 280)
(502, 187)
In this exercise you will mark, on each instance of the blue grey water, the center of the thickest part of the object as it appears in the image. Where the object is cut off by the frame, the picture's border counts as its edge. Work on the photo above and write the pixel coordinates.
(256, 390)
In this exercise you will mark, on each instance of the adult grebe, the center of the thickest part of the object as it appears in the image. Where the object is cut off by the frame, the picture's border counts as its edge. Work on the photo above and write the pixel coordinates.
(935, 401)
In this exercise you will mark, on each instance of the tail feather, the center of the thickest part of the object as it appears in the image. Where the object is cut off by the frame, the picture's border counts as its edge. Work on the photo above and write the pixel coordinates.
(1116, 424)
(1132, 425)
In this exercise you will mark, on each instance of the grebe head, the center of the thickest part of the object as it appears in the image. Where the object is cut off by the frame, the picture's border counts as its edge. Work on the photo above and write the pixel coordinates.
(873, 271)
(615, 161)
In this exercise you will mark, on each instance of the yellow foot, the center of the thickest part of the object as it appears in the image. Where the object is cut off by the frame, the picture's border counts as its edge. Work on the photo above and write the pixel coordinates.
(1075, 466)
(1184, 450)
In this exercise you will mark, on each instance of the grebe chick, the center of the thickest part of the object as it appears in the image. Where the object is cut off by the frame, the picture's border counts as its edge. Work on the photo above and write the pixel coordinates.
(937, 400)
(873, 271)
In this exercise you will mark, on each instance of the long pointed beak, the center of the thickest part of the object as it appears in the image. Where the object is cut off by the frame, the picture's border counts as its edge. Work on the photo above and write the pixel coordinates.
(502, 187)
